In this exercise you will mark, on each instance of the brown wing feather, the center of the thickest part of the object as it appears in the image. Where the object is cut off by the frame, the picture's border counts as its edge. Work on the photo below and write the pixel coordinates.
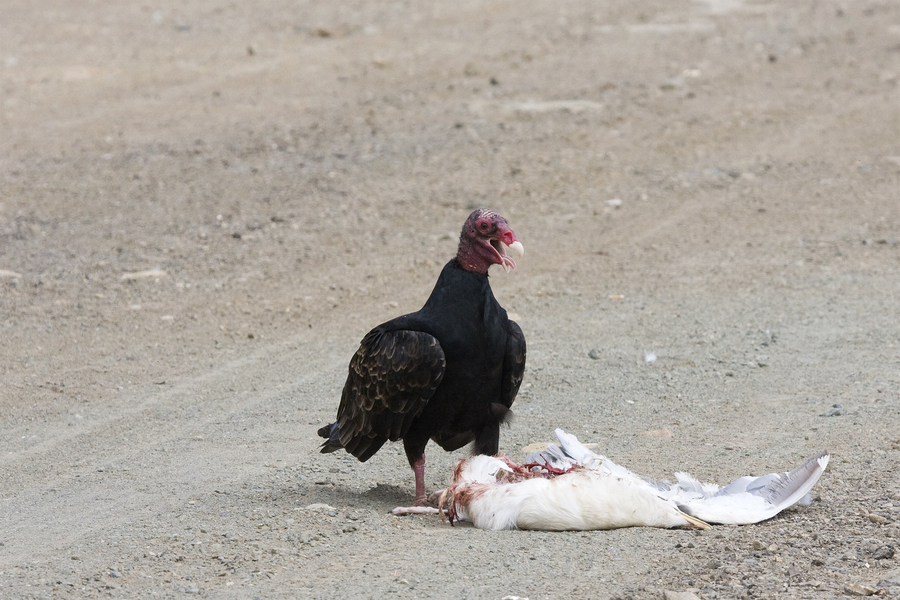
(391, 377)
(513, 363)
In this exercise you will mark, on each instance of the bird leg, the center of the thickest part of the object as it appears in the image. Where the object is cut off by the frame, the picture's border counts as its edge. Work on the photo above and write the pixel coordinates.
(422, 504)
(414, 510)
(432, 506)
(419, 472)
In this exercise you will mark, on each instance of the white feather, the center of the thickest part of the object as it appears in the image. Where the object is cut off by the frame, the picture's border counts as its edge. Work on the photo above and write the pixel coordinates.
(599, 494)
(749, 499)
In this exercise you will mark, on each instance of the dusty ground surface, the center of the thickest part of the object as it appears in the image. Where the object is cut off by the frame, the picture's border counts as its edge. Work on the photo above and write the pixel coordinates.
(296, 172)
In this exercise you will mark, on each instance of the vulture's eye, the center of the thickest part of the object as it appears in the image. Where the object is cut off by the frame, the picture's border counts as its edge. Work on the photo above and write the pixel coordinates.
(484, 226)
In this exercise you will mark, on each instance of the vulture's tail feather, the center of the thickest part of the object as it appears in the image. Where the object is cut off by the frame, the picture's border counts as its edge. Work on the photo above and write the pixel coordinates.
(332, 438)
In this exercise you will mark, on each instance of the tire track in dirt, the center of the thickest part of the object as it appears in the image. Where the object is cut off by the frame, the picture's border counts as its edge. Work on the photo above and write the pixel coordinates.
(195, 434)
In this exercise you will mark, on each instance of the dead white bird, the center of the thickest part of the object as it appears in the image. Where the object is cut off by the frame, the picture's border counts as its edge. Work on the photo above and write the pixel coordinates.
(571, 488)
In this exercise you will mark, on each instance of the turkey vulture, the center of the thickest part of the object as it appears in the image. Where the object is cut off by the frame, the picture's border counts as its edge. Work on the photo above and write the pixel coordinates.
(448, 372)
(571, 488)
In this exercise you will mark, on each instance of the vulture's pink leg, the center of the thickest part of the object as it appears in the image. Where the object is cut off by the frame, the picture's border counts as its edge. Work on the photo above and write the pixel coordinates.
(419, 471)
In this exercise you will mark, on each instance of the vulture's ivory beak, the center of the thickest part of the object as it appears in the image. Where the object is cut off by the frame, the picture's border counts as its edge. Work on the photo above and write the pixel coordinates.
(516, 248)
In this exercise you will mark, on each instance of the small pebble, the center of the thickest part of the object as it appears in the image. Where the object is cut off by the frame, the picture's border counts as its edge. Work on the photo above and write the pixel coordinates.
(836, 411)
(149, 274)
(670, 595)
(854, 589)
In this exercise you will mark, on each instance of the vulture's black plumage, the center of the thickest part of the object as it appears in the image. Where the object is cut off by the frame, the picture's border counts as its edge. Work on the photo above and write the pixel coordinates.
(448, 372)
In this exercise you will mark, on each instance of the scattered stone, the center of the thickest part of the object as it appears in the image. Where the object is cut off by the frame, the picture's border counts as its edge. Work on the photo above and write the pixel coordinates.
(670, 595)
(877, 518)
(650, 357)
(190, 588)
(883, 553)
(836, 411)
(570, 106)
(150, 274)
(321, 506)
(9, 274)
(855, 589)
(595, 354)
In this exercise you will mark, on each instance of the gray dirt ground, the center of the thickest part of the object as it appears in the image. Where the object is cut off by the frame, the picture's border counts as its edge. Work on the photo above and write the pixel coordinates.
(298, 172)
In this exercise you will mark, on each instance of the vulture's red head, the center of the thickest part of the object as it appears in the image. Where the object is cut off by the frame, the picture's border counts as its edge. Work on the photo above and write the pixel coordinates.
(484, 240)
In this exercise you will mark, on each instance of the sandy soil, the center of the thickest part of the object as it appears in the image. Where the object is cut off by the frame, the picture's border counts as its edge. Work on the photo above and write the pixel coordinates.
(205, 205)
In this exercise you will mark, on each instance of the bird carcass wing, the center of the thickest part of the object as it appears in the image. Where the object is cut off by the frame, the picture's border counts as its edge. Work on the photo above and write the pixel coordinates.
(750, 499)
(391, 377)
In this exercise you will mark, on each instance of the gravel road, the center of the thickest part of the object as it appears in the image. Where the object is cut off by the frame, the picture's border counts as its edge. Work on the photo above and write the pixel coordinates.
(205, 205)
